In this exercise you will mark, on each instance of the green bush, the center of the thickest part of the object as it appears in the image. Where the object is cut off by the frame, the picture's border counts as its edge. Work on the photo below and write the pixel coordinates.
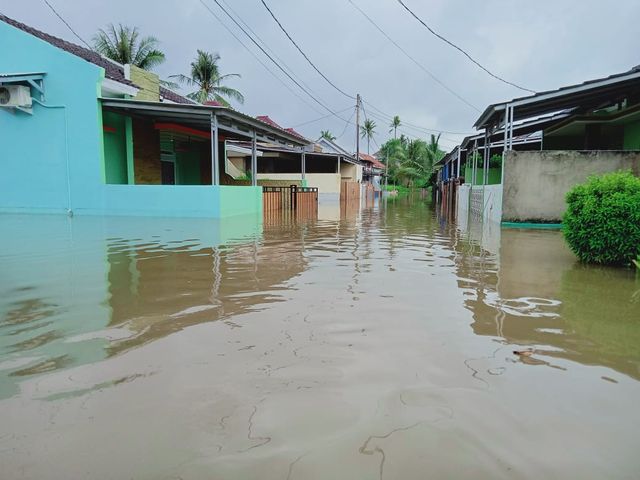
(602, 221)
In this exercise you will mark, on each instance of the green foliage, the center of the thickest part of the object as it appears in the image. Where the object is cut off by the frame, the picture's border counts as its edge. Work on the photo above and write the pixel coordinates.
(495, 161)
(395, 123)
(124, 45)
(602, 221)
(410, 162)
(206, 76)
(327, 135)
(367, 131)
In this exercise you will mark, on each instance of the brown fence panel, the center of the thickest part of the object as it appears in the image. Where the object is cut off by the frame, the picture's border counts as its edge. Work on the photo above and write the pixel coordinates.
(349, 191)
(278, 201)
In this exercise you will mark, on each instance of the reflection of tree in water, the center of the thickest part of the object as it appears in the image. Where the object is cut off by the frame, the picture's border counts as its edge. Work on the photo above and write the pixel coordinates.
(529, 297)
(601, 306)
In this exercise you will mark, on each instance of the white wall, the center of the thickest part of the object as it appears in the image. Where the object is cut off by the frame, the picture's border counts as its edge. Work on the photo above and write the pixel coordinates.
(489, 198)
(325, 182)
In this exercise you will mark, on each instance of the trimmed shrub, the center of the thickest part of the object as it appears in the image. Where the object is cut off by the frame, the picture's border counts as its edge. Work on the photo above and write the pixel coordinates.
(602, 221)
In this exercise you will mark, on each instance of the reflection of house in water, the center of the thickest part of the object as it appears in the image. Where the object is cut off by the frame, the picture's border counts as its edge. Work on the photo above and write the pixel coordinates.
(157, 290)
(533, 293)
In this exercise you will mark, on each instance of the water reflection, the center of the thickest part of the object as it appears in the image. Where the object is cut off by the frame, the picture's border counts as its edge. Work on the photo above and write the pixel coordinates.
(533, 293)
(351, 344)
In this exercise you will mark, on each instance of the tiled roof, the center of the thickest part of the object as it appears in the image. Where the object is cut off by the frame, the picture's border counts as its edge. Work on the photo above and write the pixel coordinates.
(172, 96)
(113, 70)
(372, 160)
(293, 132)
(213, 103)
(268, 120)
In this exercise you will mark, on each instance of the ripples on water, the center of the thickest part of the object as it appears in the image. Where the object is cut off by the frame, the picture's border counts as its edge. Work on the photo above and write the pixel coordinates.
(384, 332)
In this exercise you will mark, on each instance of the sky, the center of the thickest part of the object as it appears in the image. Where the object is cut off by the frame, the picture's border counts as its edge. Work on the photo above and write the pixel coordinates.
(539, 45)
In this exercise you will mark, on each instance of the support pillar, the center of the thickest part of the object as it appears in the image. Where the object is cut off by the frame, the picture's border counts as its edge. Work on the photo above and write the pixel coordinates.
(303, 162)
(254, 160)
(215, 161)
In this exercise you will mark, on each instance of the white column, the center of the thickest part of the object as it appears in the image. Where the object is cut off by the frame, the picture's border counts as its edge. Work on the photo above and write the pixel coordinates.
(254, 160)
(215, 170)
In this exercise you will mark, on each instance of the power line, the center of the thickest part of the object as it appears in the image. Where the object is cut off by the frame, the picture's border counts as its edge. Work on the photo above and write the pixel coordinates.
(462, 51)
(320, 118)
(346, 125)
(67, 24)
(422, 67)
(416, 127)
(256, 57)
(304, 54)
(274, 61)
(255, 34)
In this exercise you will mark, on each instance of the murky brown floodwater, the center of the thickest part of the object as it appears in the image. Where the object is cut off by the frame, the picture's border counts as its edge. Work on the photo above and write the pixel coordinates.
(368, 345)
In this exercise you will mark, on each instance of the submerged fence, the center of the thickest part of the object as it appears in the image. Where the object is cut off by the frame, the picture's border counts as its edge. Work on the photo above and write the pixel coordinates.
(278, 201)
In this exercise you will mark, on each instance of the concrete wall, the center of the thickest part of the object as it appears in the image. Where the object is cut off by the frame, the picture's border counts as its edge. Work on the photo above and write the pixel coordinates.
(148, 82)
(536, 182)
(324, 182)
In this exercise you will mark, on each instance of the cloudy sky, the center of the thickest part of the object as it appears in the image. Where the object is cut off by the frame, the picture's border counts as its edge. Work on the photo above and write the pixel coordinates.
(539, 45)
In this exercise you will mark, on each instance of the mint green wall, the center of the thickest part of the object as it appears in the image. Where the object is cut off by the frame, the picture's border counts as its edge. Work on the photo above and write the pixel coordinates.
(632, 136)
(239, 201)
(115, 148)
(188, 167)
(494, 176)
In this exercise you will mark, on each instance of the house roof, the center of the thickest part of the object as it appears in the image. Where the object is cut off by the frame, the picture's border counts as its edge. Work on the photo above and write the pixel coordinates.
(113, 70)
(297, 151)
(267, 119)
(583, 96)
(174, 97)
(333, 146)
(199, 116)
(372, 160)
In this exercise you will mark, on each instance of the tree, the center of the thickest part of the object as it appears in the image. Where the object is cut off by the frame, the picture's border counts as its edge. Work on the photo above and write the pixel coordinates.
(367, 131)
(395, 123)
(327, 135)
(205, 75)
(410, 162)
(124, 45)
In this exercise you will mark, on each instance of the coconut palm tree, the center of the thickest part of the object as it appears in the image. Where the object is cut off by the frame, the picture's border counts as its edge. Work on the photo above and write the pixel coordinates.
(205, 75)
(395, 123)
(367, 131)
(124, 45)
(327, 135)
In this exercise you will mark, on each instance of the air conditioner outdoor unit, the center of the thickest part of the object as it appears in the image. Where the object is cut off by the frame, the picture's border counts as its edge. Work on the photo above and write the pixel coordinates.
(15, 96)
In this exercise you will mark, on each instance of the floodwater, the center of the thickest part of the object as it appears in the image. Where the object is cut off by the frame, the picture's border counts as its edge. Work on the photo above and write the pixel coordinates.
(369, 344)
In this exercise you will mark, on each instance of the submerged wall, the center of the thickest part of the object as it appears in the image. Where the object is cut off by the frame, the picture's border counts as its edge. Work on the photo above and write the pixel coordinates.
(535, 183)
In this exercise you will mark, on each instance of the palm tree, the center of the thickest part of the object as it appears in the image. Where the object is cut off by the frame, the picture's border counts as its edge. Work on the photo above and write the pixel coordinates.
(124, 45)
(367, 131)
(433, 152)
(327, 135)
(395, 123)
(205, 74)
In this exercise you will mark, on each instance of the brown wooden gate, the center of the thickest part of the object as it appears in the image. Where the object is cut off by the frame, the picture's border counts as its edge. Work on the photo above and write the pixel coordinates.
(303, 201)
(349, 191)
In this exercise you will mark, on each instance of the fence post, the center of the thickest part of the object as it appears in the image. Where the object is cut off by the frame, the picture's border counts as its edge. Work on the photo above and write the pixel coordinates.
(294, 189)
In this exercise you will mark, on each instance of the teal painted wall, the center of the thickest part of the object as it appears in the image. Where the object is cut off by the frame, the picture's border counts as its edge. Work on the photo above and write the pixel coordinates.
(115, 148)
(54, 160)
(51, 160)
(494, 176)
(632, 136)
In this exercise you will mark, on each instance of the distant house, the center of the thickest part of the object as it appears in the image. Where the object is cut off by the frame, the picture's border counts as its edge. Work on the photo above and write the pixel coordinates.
(373, 170)
(542, 145)
(85, 135)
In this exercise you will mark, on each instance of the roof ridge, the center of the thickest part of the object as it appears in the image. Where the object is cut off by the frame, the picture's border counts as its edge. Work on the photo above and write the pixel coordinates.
(113, 70)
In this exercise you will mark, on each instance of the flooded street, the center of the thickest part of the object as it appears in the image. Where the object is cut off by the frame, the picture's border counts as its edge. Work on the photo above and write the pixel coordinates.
(366, 344)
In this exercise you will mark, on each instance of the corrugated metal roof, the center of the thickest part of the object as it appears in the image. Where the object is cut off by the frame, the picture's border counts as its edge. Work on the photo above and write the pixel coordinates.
(582, 95)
